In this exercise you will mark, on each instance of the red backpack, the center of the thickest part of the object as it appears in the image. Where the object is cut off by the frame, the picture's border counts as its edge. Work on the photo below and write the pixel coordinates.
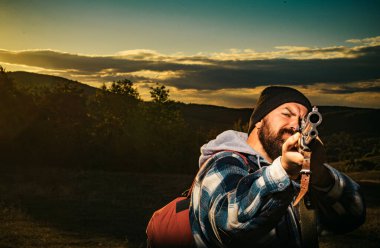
(170, 225)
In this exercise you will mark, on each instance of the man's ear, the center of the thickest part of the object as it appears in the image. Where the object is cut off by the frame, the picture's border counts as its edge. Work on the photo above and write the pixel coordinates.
(259, 124)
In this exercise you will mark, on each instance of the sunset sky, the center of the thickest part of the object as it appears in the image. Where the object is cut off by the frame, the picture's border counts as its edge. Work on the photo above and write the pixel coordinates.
(215, 52)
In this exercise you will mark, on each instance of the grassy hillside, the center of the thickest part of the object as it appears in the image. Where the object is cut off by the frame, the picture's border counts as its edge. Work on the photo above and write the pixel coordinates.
(351, 120)
(213, 117)
(34, 82)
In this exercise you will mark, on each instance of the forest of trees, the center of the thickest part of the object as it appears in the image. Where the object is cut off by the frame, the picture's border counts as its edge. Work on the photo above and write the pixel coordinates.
(112, 129)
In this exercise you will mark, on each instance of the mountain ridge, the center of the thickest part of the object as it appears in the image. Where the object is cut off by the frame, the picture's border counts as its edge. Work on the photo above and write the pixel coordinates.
(336, 119)
(32, 82)
(22, 77)
(348, 132)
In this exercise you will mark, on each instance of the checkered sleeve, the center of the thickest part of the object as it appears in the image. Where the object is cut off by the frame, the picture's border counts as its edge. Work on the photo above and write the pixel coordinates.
(342, 207)
(227, 201)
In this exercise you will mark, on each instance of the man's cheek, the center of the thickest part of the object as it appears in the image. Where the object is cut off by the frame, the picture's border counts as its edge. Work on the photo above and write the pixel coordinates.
(285, 136)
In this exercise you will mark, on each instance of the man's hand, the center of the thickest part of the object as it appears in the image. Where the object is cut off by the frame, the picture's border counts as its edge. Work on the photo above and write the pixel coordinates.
(291, 159)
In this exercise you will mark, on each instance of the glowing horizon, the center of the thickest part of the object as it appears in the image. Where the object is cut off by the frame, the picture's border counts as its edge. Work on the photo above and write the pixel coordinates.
(214, 52)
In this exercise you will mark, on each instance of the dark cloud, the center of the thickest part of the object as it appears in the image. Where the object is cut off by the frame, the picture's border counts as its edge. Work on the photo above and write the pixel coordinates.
(350, 90)
(234, 74)
(327, 50)
(83, 64)
(363, 64)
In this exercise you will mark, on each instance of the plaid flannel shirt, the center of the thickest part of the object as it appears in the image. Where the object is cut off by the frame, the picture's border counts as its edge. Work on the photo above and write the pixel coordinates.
(235, 203)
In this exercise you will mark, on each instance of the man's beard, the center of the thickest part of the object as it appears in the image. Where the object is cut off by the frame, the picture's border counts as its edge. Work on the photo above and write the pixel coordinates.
(271, 142)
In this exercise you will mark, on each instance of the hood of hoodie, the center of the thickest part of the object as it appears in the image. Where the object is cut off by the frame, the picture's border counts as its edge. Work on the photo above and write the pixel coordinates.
(228, 140)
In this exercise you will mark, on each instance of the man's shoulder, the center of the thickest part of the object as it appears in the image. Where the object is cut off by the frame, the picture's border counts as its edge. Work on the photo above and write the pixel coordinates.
(229, 156)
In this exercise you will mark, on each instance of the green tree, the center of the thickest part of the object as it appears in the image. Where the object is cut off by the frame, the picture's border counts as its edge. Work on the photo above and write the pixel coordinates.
(64, 121)
(159, 94)
(115, 114)
(124, 87)
(17, 113)
(6, 84)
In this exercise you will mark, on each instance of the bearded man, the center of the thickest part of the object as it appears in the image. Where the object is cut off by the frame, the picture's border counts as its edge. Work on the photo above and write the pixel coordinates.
(243, 193)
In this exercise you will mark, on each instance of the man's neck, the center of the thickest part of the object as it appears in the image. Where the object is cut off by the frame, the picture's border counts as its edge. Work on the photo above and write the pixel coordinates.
(254, 142)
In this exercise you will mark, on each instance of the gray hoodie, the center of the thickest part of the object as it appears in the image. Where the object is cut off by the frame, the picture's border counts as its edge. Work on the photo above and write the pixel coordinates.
(232, 141)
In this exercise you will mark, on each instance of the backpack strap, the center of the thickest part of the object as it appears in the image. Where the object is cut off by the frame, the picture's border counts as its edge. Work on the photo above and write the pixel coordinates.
(182, 205)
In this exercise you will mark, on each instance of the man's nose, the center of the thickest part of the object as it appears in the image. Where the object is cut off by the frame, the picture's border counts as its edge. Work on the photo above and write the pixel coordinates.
(295, 124)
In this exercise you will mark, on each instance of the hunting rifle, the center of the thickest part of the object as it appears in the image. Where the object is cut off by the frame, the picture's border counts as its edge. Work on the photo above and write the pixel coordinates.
(307, 214)
(309, 132)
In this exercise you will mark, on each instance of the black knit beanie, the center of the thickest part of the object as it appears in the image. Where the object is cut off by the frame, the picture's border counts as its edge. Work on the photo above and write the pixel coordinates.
(271, 98)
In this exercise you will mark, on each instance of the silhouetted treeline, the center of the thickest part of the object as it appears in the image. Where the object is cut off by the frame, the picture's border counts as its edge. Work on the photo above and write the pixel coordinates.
(114, 129)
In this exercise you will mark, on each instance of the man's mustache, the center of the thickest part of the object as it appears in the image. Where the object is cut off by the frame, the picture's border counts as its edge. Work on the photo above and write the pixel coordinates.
(286, 131)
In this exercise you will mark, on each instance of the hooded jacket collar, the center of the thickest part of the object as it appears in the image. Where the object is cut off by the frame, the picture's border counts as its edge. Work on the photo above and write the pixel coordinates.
(233, 141)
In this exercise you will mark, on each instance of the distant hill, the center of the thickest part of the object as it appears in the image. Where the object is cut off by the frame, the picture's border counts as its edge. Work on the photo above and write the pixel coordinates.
(335, 118)
(210, 116)
(34, 82)
(356, 121)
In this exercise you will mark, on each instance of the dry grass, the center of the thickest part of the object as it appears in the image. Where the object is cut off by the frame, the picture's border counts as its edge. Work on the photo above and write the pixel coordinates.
(20, 230)
(66, 208)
